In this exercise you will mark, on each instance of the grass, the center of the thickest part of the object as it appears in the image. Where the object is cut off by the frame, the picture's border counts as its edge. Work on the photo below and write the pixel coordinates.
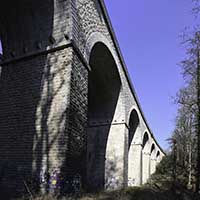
(132, 193)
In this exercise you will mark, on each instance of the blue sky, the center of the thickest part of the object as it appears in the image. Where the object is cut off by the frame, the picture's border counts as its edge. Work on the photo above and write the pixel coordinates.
(148, 33)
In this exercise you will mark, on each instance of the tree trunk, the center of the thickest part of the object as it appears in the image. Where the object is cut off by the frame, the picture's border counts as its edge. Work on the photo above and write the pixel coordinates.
(198, 123)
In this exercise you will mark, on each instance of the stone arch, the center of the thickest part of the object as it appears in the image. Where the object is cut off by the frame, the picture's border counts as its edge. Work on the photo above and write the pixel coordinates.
(157, 157)
(94, 38)
(152, 159)
(145, 142)
(133, 124)
(158, 154)
(145, 157)
(104, 87)
(153, 148)
(134, 150)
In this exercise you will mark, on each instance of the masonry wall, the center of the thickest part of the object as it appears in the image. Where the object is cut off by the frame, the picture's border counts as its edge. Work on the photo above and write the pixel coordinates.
(36, 109)
(77, 128)
(91, 21)
(44, 96)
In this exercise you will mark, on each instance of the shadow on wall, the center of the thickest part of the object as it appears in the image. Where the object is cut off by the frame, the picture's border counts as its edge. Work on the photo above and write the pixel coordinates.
(27, 94)
(104, 88)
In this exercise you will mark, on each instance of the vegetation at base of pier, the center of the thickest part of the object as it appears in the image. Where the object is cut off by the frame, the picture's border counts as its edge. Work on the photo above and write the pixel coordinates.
(147, 192)
(163, 185)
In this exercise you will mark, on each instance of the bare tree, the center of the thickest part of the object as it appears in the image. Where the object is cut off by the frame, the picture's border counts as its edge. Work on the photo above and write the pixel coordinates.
(196, 8)
(189, 97)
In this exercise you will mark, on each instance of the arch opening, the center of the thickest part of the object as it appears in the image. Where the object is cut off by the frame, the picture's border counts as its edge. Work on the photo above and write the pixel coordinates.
(158, 157)
(145, 158)
(158, 154)
(103, 92)
(152, 148)
(145, 140)
(133, 124)
(134, 151)
(152, 159)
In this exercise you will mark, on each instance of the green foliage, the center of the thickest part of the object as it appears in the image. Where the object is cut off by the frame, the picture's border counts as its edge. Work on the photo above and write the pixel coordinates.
(165, 167)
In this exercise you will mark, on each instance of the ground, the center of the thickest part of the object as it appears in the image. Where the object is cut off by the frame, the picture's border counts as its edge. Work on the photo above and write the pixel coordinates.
(133, 193)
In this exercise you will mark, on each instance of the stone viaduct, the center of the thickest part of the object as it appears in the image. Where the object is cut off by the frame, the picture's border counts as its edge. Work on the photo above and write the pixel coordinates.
(67, 104)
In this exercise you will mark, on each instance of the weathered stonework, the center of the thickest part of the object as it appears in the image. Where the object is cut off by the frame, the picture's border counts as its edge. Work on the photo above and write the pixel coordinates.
(67, 106)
